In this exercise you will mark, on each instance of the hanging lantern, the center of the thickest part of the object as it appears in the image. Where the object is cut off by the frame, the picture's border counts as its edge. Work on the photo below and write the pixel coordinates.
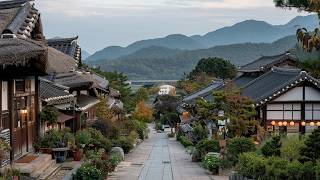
(303, 123)
(291, 123)
(312, 124)
(318, 123)
(280, 123)
(273, 123)
(285, 123)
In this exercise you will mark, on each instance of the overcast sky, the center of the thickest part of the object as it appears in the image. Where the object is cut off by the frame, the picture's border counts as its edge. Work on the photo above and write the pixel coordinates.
(101, 23)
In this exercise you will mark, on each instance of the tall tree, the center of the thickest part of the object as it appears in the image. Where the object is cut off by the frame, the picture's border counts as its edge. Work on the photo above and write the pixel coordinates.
(308, 40)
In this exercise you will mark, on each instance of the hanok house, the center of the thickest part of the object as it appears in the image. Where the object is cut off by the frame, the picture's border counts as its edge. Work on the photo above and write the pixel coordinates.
(22, 61)
(287, 100)
(86, 95)
(58, 96)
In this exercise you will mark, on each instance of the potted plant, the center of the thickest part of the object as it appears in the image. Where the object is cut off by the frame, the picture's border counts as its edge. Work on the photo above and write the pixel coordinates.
(82, 139)
(11, 174)
(4, 148)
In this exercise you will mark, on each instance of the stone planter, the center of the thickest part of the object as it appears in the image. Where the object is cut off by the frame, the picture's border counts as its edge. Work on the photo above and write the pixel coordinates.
(60, 154)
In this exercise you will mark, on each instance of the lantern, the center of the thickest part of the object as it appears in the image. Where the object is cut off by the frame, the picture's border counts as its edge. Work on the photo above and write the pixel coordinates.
(312, 124)
(285, 123)
(291, 123)
(318, 123)
(280, 123)
(273, 123)
(303, 123)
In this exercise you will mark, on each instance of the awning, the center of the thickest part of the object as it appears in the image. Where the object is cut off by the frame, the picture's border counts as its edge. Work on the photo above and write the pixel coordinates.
(63, 117)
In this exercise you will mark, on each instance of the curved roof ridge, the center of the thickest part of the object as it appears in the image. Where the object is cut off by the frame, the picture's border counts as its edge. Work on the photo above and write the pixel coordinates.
(285, 70)
(12, 4)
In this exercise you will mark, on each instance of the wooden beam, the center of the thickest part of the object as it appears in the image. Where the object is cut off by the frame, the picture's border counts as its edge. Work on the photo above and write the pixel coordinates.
(11, 115)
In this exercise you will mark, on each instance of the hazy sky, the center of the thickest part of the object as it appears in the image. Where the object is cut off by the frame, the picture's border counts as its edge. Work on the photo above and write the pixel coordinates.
(101, 23)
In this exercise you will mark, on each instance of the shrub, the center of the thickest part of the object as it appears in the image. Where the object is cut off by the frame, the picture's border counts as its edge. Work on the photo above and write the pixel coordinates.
(199, 132)
(206, 146)
(171, 135)
(125, 143)
(239, 145)
(277, 168)
(272, 147)
(115, 159)
(55, 139)
(159, 127)
(291, 147)
(251, 166)
(211, 162)
(49, 114)
(311, 150)
(185, 141)
(83, 138)
(88, 171)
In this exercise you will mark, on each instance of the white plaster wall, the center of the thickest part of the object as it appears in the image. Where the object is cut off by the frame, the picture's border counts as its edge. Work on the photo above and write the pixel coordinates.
(4, 93)
(295, 94)
(312, 94)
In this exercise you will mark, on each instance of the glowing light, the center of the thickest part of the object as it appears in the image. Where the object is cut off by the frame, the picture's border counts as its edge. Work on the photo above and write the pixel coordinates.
(285, 123)
(303, 123)
(273, 123)
(291, 123)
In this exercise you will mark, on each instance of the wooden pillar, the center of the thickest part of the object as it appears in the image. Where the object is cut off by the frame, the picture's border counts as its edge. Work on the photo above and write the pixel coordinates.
(2, 124)
(37, 109)
(11, 115)
(302, 129)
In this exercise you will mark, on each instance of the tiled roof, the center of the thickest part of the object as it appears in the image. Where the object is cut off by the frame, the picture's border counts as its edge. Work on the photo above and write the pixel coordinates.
(85, 102)
(72, 79)
(54, 94)
(266, 62)
(59, 62)
(243, 79)
(274, 83)
(68, 46)
(204, 92)
(114, 93)
(18, 17)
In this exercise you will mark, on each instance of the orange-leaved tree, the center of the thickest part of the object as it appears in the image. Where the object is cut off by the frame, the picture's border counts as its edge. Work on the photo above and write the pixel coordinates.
(143, 112)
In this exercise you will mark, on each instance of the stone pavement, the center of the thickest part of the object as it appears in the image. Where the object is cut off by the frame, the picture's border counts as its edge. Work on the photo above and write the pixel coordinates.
(160, 158)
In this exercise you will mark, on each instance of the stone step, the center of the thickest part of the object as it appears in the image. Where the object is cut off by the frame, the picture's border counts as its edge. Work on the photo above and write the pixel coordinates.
(28, 168)
(50, 171)
(42, 169)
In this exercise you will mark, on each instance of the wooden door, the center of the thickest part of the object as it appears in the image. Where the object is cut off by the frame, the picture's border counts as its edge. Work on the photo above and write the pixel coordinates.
(20, 131)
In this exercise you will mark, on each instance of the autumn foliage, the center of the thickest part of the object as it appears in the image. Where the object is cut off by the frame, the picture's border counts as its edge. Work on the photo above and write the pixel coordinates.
(143, 112)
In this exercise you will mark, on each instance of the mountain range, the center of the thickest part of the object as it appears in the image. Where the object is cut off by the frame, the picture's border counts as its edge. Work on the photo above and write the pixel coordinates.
(161, 58)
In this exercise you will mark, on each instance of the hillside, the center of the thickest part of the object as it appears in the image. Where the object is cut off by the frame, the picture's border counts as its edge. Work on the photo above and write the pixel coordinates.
(164, 63)
(247, 31)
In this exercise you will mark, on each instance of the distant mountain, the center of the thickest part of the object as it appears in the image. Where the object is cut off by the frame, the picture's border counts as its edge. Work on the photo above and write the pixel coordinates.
(164, 63)
(247, 31)
(175, 41)
(85, 54)
(256, 31)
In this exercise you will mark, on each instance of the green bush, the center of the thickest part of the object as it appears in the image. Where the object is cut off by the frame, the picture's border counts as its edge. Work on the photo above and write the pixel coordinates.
(211, 162)
(83, 138)
(171, 135)
(239, 145)
(159, 127)
(55, 139)
(185, 141)
(199, 132)
(251, 166)
(205, 146)
(125, 143)
(89, 171)
(272, 147)
(291, 147)
(115, 159)
(311, 150)
(277, 168)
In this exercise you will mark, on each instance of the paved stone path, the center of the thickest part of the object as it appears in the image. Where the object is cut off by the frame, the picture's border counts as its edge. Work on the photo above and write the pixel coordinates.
(160, 158)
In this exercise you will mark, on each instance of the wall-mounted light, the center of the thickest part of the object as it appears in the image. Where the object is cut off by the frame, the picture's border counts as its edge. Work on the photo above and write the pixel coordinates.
(303, 123)
(312, 124)
(285, 123)
(291, 123)
(273, 123)
(24, 111)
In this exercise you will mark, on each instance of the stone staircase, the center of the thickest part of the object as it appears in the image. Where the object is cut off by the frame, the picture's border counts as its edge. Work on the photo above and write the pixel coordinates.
(40, 168)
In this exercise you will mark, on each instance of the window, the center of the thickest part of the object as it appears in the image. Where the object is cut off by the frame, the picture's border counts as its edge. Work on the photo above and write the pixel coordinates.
(20, 85)
(312, 111)
(284, 112)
